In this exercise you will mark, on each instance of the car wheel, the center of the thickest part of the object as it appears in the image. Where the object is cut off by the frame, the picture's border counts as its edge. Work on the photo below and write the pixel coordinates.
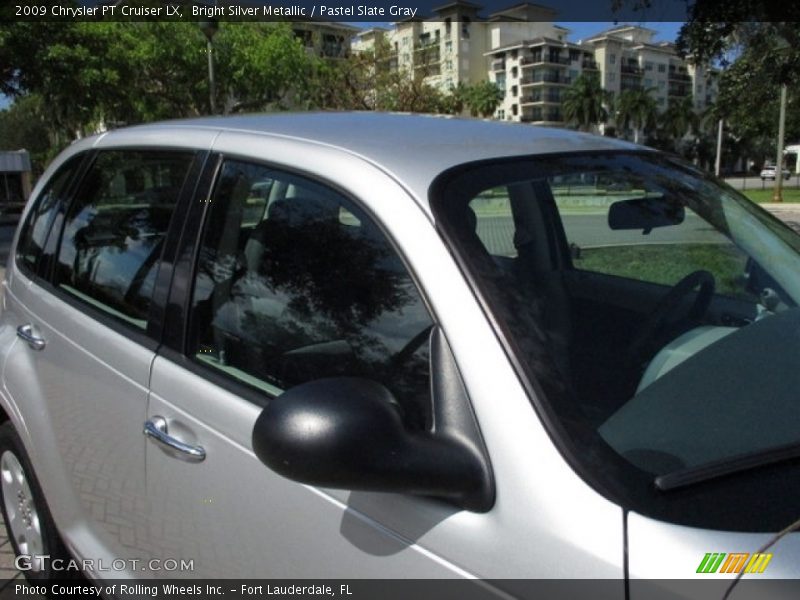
(29, 525)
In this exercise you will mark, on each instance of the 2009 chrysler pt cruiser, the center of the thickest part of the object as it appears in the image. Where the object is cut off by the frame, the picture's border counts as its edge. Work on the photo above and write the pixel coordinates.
(365, 345)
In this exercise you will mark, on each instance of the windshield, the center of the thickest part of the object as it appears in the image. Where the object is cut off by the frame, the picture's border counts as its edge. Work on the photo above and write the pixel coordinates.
(650, 304)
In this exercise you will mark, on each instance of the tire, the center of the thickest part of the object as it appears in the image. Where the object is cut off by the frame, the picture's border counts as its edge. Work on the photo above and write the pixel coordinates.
(29, 524)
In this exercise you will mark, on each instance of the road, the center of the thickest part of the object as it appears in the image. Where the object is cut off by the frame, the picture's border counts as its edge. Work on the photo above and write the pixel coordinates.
(755, 183)
(588, 230)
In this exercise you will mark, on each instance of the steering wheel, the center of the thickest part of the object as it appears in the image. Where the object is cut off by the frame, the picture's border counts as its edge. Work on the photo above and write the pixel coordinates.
(670, 317)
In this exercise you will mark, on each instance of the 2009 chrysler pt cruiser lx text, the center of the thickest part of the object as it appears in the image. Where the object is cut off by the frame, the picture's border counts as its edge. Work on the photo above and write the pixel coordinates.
(365, 345)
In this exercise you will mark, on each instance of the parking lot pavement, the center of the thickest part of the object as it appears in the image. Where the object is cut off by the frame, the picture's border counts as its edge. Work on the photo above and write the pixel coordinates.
(10, 577)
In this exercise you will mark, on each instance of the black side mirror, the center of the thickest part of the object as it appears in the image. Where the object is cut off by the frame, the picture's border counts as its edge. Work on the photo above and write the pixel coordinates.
(645, 214)
(347, 432)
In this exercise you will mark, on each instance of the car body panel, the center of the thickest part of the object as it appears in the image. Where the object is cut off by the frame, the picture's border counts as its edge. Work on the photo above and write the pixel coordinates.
(534, 490)
(81, 412)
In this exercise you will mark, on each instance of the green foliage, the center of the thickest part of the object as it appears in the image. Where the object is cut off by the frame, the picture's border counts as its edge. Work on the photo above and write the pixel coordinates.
(482, 98)
(679, 120)
(584, 102)
(636, 109)
(759, 53)
(111, 73)
(23, 126)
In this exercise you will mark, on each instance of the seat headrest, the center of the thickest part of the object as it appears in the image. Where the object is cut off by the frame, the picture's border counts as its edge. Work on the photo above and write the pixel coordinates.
(301, 211)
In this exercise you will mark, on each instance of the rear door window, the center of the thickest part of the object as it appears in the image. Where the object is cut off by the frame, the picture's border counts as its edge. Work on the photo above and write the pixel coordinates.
(40, 219)
(115, 228)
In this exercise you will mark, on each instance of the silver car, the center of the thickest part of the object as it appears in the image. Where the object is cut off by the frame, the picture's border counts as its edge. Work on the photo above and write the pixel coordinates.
(391, 346)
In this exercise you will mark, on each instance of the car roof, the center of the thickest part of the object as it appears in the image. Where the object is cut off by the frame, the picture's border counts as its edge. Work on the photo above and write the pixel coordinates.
(413, 148)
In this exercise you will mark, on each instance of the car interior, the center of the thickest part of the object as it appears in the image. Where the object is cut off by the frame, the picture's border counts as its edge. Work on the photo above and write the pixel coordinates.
(601, 330)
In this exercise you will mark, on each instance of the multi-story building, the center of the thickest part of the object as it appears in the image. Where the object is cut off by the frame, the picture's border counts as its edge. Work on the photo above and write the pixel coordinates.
(451, 46)
(529, 58)
(629, 59)
(325, 39)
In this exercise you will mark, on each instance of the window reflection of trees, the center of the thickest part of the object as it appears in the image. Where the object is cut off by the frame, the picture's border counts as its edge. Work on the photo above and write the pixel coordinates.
(325, 299)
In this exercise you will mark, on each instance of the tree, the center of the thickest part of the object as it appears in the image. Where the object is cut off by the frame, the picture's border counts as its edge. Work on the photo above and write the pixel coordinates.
(23, 126)
(95, 74)
(679, 120)
(760, 54)
(636, 109)
(483, 98)
(584, 102)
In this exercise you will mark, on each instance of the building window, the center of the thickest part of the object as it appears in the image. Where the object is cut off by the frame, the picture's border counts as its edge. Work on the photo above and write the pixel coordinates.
(648, 66)
(514, 91)
(514, 72)
(448, 47)
(648, 83)
(662, 68)
(662, 85)
(612, 77)
(514, 109)
(574, 55)
(612, 59)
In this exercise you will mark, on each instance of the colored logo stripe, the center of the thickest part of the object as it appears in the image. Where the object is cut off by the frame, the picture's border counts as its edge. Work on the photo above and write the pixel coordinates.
(710, 562)
(734, 563)
(758, 563)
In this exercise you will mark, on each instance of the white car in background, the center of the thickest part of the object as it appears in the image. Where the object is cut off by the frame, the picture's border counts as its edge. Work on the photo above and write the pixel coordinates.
(770, 173)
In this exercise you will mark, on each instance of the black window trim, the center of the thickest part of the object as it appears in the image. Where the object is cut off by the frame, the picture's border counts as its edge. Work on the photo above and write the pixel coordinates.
(185, 272)
(597, 464)
(86, 157)
(150, 337)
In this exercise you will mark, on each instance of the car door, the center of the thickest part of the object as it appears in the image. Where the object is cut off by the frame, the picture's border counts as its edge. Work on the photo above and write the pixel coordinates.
(301, 282)
(292, 282)
(80, 378)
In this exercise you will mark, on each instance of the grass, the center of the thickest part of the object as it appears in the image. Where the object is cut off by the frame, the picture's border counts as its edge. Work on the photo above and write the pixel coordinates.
(761, 196)
(669, 263)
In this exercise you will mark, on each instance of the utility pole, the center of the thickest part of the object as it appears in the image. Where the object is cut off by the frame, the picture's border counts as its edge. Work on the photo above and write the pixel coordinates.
(777, 196)
(719, 149)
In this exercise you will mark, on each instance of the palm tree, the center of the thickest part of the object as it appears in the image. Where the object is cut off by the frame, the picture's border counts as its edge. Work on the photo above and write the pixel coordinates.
(679, 120)
(584, 102)
(636, 109)
(483, 98)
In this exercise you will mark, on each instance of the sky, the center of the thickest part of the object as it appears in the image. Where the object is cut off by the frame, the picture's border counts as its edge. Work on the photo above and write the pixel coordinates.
(667, 31)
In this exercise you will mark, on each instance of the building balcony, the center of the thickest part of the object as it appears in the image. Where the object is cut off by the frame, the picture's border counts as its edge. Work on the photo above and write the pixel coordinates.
(631, 69)
(675, 76)
(590, 65)
(431, 58)
(544, 60)
(679, 91)
(540, 98)
(548, 116)
(423, 46)
(546, 78)
(498, 65)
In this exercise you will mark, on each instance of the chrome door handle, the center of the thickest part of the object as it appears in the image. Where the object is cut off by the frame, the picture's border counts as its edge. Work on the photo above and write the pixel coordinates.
(25, 332)
(156, 429)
